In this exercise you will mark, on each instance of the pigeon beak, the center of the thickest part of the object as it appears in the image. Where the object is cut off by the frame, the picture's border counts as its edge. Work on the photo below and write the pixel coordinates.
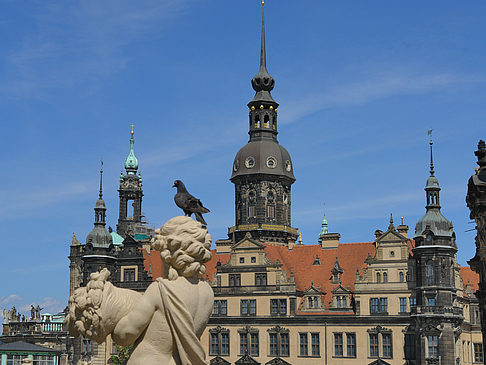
(174, 185)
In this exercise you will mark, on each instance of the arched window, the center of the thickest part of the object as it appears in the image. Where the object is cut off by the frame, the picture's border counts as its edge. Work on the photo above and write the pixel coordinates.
(385, 277)
(257, 121)
(310, 302)
(378, 277)
(401, 276)
(266, 120)
(430, 273)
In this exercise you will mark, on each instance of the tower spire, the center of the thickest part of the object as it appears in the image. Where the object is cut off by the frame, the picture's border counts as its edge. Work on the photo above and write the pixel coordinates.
(101, 180)
(263, 56)
(262, 82)
(431, 155)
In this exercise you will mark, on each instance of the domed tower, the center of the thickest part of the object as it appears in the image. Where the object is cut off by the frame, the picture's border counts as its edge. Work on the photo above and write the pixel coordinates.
(437, 317)
(262, 170)
(99, 250)
(99, 236)
(131, 193)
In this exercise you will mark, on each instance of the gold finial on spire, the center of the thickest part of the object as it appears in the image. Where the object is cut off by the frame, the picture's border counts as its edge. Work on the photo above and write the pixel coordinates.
(263, 3)
(402, 221)
(132, 132)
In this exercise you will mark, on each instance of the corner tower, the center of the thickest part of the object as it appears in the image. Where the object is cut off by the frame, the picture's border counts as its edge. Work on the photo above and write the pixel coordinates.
(130, 193)
(437, 317)
(262, 169)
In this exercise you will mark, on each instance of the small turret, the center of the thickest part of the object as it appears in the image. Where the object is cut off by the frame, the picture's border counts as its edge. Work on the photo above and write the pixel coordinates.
(99, 236)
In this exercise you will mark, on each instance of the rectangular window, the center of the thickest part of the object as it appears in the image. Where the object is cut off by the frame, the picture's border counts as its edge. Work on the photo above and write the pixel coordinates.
(234, 280)
(387, 345)
(413, 303)
(244, 308)
(14, 359)
(273, 344)
(431, 301)
(433, 346)
(219, 343)
(278, 306)
(383, 305)
(43, 360)
(214, 345)
(410, 347)
(220, 307)
(251, 211)
(351, 344)
(253, 307)
(254, 344)
(338, 345)
(378, 305)
(260, 279)
(270, 211)
(374, 305)
(128, 274)
(304, 348)
(403, 305)
(243, 343)
(284, 344)
(87, 346)
(478, 352)
(373, 344)
(248, 307)
(225, 343)
(315, 343)
(274, 306)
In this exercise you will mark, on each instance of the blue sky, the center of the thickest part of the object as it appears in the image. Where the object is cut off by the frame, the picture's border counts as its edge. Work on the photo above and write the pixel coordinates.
(359, 84)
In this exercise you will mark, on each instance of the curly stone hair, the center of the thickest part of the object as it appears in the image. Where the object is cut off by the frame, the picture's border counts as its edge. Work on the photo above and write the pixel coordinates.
(184, 246)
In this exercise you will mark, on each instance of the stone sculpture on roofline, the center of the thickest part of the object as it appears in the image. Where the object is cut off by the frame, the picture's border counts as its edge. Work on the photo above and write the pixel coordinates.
(164, 323)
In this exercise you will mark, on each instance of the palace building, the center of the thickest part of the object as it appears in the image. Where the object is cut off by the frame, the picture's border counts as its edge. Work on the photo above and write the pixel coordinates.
(401, 299)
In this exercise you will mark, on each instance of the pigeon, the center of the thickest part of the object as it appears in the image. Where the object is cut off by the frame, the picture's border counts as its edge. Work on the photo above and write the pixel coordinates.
(188, 203)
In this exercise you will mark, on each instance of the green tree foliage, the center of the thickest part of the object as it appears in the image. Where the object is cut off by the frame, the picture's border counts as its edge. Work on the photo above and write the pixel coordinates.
(122, 355)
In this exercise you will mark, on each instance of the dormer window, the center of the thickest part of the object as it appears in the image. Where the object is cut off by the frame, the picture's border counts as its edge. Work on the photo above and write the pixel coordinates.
(312, 302)
(317, 261)
(341, 301)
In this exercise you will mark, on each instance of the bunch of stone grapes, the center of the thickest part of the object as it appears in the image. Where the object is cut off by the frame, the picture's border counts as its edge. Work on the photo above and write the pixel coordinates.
(84, 316)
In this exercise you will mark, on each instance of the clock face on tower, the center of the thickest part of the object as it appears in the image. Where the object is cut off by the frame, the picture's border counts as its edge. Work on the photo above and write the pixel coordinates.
(249, 162)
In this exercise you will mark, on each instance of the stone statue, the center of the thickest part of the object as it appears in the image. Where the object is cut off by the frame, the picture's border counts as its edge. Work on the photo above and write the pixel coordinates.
(38, 312)
(12, 314)
(166, 322)
(5, 314)
(32, 312)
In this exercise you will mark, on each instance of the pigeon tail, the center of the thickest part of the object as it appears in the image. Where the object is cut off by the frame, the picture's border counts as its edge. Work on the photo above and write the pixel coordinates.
(200, 218)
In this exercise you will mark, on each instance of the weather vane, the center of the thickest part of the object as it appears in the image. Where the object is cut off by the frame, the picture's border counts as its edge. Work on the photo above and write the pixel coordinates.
(131, 125)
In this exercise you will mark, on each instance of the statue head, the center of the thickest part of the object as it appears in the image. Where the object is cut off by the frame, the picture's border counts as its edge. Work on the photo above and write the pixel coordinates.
(184, 246)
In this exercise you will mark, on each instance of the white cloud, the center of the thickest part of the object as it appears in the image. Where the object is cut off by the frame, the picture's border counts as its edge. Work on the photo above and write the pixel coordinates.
(375, 88)
(12, 298)
(48, 305)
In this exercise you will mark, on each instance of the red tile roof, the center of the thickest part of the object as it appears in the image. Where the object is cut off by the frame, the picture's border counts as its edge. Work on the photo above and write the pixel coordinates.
(469, 277)
(300, 259)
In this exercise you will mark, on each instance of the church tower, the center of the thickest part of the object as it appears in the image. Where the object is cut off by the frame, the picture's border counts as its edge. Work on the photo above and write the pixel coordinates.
(262, 170)
(130, 193)
(436, 317)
